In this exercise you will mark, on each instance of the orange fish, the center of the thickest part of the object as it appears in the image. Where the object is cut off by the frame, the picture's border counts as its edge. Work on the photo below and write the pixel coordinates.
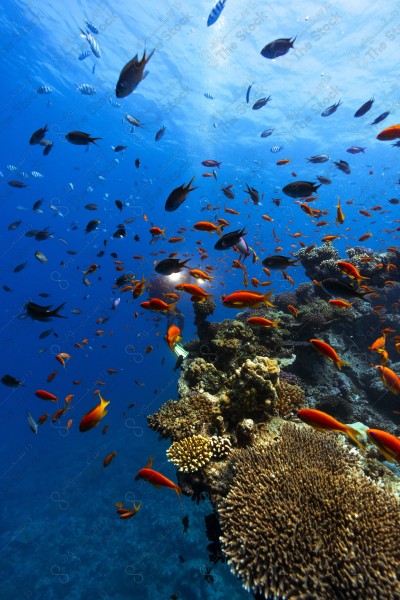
(173, 336)
(390, 133)
(293, 310)
(379, 344)
(330, 238)
(243, 298)
(158, 480)
(158, 305)
(109, 458)
(339, 213)
(196, 291)
(351, 271)
(320, 421)
(231, 211)
(207, 226)
(138, 287)
(328, 352)
(389, 379)
(128, 513)
(94, 416)
(42, 419)
(58, 414)
(69, 424)
(175, 240)
(69, 398)
(388, 444)
(51, 376)
(155, 231)
(364, 212)
(364, 237)
(111, 372)
(283, 161)
(43, 395)
(261, 322)
(199, 274)
(255, 282)
(340, 303)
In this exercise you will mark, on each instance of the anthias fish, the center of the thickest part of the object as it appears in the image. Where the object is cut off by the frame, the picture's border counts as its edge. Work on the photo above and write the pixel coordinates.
(157, 479)
(322, 421)
(388, 444)
(94, 416)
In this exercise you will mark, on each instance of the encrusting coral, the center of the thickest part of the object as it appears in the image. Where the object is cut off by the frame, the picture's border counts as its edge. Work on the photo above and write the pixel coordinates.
(191, 453)
(302, 521)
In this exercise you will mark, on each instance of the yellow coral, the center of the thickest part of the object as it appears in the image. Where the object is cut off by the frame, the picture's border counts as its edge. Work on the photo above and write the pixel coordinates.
(191, 453)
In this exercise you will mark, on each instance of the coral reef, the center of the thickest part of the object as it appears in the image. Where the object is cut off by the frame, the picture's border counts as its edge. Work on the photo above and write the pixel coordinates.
(220, 447)
(290, 398)
(191, 453)
(301, 521)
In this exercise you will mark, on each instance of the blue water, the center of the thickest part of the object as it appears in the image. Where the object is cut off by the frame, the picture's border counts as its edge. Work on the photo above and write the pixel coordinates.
(60, 536)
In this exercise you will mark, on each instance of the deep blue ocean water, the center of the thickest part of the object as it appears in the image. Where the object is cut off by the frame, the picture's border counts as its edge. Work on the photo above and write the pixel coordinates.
(60, 536)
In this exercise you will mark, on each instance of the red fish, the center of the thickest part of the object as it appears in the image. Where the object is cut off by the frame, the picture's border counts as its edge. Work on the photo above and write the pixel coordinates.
(43, 395)
(320, 420)
(94, 416)
(328, 352)
(158, 480)
(387, 443)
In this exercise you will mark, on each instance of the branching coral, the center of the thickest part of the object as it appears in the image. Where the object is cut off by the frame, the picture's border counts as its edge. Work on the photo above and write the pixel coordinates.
(301, 521)
(290, 397)
(191, 453)
(221, 447)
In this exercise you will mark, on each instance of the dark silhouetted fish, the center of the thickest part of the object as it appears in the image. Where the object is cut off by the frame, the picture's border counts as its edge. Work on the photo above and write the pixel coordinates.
(43, 313)
(278, 48)
(364, 108)
(132, 74)
(248, 92)
(80, 138)
(119, 148)
(355, 149)
(300, 189)
(266, 133)
(38, 135)
(260, 103)
(17, 184)
(324, 180)
(331, 109)
(228, 240)
(168, 266)
(92, 225)
(10, 381)
(254, 195)
(342, 165)
(318, 159)
(278, 262)
(341, 289)
(178, 196)
(160, 134)
(381, 117)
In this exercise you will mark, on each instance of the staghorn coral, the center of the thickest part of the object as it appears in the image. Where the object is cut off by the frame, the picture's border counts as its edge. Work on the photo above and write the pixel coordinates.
(301, 521)
(191, 453)
(220, 447)
(290, 397)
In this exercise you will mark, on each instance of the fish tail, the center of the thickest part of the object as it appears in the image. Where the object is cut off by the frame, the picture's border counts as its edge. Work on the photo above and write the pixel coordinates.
(341, 363)
(355, 436)
(267, 299)
(54, 313)
(93, 140)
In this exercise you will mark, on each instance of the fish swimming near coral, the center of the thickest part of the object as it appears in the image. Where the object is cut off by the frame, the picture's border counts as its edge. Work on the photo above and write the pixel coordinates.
(322, 421)
(388, 444)
(329, 352)
(158, 480)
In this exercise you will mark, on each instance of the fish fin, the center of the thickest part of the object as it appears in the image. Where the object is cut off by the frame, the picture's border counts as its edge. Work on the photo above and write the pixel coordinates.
(54, 313)
(267, 298)
(355, 436)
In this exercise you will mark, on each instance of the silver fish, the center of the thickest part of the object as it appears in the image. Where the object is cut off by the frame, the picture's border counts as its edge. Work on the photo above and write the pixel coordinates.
(91, 26)
(276, 149)
(86, 88)
(37, 174)
(44, 89)
(92, 43)
(84, 55)
(32, 423)
(133, 121)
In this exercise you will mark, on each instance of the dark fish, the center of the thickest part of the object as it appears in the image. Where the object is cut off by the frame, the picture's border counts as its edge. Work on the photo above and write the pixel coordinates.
(278, 48)
(300, 189)
(128, 219)
(168, 266)
(394, 201)
(45, 334)
(260, 103)
(17, 184)
(114, 254)
(43, 313)
(278, 262)
(47, 146)
(137, 163)
(132, 74)
(355, 149)
(160, 133)
(381, 117)
(32, 233)
(228, 192)
(178, 196)
(10, 381)
(37, 205)
(248, 92)
(342, 165)
(92, 225)
(14, 225)
(79, 138)
(319, 158)
(266, 133)
(136, 238)
(341, 289)
(43, 234)
(118, 204)
(364, 108)
(179, 362)
(19, 268)
(230, 239)
(125, 279)
(254, 195)
(331, 109)
(100, 254)
(38, 135)
(6, 288)
(119, 148)
(324, 180)
(185, 523)
(120, 233)
(31, 422)
(91, 206)
(44, 295)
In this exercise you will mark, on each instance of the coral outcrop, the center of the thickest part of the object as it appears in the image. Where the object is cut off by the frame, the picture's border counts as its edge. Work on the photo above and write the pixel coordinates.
(191, 453)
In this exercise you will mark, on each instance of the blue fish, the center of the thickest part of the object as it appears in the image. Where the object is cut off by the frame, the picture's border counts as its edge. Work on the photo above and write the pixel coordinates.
(248, 92)
(91, 26)
(215, 13)
(209, 96)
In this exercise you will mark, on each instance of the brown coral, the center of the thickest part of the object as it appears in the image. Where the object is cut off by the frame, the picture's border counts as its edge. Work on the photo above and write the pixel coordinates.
(301, 521)
(191, 453)
(290, 397)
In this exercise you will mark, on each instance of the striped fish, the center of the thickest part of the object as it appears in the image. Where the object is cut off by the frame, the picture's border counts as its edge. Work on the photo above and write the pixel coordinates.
(85, 54)
(44, 89)
(276, 149)
(86, 88)
(91, 26)
(92, 43)
(215, 13)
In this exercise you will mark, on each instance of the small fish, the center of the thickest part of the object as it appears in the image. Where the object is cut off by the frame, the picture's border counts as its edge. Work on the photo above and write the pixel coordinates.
(381, 117)
(84, 55)
(11, 381)
(132, 74)
(364, 108)
(31, 422)
(42, 258)
(92, 43)
(109, 458)
(37, 174)
(185, 523)
(42, 313)
(267, 132)
(209, 96)
(157, 479)
(324, 180)
(248, 93)
(137, 163)
(119, 148)
(38, 135)
(228, 240)
(329, 352)
(45, 334)
(355, 150)
(43, 395)
(12, 226)
(321, 420)
(342, 165)
(79, 138)
(160, 133)
(94, 416)
(279, 262)
(278, 48)
(319, 158)
(44, 89)
(20, 267)
(260, 103)
(389, 134)
(300, 189)
(92, 225)
(91, 26)
(178, 196)
(215, 13)
(86, 88)
(133, 121)
(331, 109)
(276, 149)
(388, 444)
(389, 379)
(17, 184)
